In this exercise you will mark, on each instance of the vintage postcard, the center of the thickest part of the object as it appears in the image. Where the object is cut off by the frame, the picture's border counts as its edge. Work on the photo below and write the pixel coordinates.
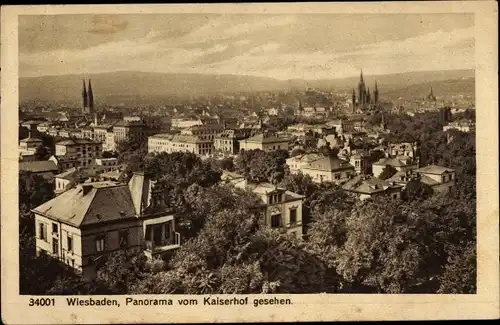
(249, 162)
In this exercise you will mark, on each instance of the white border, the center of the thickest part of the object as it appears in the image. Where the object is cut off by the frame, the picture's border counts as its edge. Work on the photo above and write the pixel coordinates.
(319, 307)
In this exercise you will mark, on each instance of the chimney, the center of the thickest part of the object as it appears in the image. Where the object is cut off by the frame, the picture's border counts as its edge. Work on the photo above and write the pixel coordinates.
(86, 188)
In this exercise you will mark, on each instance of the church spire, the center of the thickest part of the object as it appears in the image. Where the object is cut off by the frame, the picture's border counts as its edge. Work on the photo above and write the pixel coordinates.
(91, 98)
(376, 93)
(353, 100)
(84, 97)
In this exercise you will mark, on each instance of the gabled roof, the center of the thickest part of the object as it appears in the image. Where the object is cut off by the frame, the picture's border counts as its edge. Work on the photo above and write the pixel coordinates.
(139, 186)
(427, 180)
(329, 163)
(77, 173)
(68, 174)
(267, 188)
(307, 157)
(90, 203)
(434, 169)
(361, 184)
(30, 139)
(38, 166)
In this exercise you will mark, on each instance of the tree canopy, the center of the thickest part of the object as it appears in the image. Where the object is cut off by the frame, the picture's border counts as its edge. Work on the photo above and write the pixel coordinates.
(262, 166)
(387, 172)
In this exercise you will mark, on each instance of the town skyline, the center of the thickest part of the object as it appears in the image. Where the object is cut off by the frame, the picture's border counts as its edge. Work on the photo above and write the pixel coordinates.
(297, 48)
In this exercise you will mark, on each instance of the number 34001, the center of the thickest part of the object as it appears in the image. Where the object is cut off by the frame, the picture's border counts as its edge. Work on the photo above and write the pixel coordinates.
(42, 302)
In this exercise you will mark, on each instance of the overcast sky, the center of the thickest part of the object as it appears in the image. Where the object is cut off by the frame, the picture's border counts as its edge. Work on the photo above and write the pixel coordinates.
(312, 46)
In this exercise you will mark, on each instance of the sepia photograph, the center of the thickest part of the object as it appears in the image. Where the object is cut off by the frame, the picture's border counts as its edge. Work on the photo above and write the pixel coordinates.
(245, 154)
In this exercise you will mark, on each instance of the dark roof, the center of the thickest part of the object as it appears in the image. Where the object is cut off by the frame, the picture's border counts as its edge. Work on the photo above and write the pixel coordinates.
(394, 162)
(38, 166)
(73, 142)
(77, 173)
(90, 203)
(30, 139)
(329, 163)
(361, 184)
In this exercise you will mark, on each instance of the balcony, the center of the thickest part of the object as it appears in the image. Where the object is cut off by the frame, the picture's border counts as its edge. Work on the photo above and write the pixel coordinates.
(165, 245)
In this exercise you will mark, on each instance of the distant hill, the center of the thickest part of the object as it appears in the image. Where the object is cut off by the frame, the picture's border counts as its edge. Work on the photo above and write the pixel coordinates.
(132, 86)
(442, 88)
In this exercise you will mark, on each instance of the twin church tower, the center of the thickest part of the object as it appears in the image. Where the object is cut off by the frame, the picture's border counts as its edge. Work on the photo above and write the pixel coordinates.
(88, 99)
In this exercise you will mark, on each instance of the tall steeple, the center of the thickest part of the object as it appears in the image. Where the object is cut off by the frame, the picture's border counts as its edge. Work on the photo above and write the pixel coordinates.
(91, 98)
(361, 90)
(431, 96)
(376, 93)
(353, 101)
(85, 98)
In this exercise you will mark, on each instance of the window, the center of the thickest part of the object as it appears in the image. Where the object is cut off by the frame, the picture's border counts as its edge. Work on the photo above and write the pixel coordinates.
(356, 163)
(54, 228)
(55, 246)
(394, 196)
(123, 238)
(167, 230)
(100, 243)
(42, 231)
(293, 216)
(276, 221)
(337, 176)
(70, 243)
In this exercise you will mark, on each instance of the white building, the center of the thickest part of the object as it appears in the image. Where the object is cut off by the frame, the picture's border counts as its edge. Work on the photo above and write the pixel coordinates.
(462, 126)
(179, 143)
(281, 209)
(76, 152)
(322, 168)
(80, 226)
(265, 142)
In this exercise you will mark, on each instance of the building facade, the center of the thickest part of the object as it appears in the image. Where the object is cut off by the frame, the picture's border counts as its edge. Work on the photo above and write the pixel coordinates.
(322, 169)
(440, 179)
(77, 152)
(79, 226)
(265, 142)
(366, 187)
(228, 141)
(281, 209)
(179, 143)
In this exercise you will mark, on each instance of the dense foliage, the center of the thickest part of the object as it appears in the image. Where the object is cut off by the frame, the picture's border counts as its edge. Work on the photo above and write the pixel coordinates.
(425, 243)
(262, 166)
(387, 172)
